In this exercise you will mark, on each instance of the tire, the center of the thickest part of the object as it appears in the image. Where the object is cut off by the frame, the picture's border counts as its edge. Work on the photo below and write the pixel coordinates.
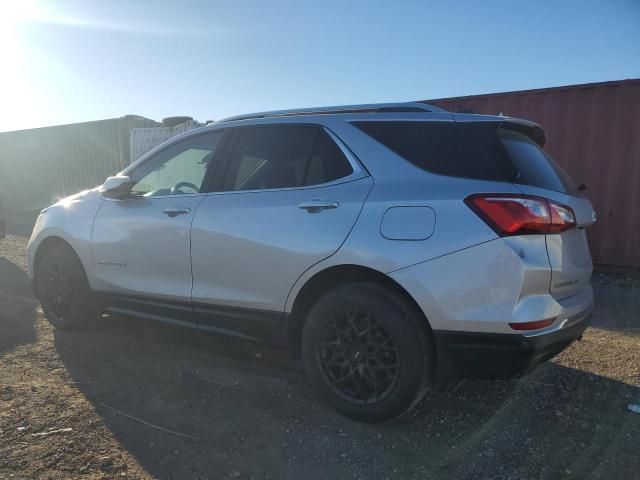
(380, 377)
(63, 290)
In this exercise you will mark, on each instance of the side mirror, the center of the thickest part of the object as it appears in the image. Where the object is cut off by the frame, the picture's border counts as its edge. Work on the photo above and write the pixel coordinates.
(117, 187)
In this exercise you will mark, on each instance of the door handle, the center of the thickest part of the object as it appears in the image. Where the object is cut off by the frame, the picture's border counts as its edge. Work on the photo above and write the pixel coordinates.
(175, 211)
(318, 204)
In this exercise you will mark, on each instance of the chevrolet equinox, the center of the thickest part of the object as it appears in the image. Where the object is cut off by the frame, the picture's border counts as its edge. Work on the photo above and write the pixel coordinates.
(387, 245)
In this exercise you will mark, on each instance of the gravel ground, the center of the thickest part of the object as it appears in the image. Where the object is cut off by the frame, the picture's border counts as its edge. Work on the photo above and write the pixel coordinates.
(140, 401)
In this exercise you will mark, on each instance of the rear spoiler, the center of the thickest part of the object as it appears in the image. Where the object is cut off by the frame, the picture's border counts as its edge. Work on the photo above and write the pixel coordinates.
(530, 129)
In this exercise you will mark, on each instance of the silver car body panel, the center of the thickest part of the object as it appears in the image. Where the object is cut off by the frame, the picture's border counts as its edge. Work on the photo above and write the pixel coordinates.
(138, 250)
(252, 246)
(569, 254)
(486, 287)
(71, 220)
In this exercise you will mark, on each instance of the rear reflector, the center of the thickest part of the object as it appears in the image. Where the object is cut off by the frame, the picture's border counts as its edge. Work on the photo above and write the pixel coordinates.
(510, 214)
(532, 325)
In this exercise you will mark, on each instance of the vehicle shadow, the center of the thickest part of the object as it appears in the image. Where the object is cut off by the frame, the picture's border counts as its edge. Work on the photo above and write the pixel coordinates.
(17, 307)
(241, 410)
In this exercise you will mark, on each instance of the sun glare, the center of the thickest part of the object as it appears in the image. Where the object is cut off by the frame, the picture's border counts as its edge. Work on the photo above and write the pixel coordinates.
(14, 13)
(18, 92)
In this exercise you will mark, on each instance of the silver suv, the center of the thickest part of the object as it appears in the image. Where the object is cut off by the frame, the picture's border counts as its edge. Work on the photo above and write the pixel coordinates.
(388, 245)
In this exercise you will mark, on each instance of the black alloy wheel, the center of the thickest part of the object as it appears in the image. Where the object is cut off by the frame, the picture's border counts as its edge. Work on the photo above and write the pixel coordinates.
(358, 357)
(63, 289)
(368, 351)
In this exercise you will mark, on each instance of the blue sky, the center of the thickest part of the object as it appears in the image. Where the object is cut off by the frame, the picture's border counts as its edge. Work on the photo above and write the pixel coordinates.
(71, 61)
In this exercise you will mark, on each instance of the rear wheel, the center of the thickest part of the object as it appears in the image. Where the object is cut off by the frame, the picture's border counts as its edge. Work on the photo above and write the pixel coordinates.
(63, 289)
(367, 351)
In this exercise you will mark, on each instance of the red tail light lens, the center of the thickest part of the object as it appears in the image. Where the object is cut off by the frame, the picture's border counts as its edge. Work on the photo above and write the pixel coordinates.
(521, 214)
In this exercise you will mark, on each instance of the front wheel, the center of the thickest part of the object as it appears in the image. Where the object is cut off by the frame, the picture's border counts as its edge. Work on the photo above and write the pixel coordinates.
(63, 290)
(368, 351)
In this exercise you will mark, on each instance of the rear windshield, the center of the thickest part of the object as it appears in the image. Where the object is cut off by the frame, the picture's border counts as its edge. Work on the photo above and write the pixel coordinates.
(477, 150)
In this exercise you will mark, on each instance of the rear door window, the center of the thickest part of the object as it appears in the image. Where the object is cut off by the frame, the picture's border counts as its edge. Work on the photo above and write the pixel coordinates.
(327, 162)
(284, 156)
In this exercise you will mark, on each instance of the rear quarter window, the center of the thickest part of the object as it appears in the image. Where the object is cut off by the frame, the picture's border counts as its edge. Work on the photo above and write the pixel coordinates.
(476, 150)
(467, 150)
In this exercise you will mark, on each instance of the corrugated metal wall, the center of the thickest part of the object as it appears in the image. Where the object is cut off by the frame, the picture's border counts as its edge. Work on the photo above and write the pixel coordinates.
(41, 165)
(593, 130)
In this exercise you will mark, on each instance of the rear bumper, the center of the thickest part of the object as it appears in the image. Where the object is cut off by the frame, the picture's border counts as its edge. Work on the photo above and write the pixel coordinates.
(495, 355)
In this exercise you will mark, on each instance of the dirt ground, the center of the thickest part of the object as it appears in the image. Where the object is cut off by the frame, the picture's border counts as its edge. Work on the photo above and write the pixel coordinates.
(139, 401)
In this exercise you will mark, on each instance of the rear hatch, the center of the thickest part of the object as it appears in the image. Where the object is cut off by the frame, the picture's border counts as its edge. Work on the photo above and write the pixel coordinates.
(504, 150)
(539, 174)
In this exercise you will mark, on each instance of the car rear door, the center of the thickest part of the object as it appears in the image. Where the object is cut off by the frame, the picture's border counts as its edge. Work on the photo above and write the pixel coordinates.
(540, 174)
(292, 193)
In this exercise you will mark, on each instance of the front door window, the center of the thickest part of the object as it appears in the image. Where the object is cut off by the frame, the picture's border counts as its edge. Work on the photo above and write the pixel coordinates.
(179, 169)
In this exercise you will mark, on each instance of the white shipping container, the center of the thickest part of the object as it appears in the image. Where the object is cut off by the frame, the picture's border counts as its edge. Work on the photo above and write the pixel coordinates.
(144, 139)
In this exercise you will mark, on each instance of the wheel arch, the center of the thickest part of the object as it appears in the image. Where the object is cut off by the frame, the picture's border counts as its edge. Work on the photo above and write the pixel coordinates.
(43, 247)
(327, 279)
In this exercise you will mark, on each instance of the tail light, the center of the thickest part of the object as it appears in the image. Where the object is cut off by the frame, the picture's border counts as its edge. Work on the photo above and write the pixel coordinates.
(510, 214)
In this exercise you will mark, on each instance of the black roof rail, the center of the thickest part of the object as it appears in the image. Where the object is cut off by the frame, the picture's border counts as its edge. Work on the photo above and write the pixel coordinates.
(365, 108)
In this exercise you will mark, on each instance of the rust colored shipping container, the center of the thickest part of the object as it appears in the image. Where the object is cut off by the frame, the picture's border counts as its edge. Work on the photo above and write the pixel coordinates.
(593, 130)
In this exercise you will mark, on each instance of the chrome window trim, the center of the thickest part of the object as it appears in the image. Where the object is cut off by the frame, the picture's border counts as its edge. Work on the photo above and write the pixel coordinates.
(135, 198)
(340, 181)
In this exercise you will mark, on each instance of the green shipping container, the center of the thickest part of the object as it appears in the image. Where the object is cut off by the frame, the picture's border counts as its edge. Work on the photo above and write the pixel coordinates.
(41, 165)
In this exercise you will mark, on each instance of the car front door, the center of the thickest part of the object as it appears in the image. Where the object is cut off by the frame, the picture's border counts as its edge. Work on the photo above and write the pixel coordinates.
(291, 195)
(141, 244)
